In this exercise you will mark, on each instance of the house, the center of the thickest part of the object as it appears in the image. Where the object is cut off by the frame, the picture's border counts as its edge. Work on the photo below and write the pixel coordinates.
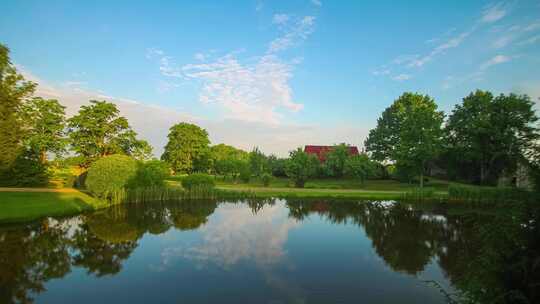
(321, 151)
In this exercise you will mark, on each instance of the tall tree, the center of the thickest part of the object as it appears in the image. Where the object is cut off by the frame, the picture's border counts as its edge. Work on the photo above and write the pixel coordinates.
(98, 130)
(301, 166)
(187, 149)
(494, 133)
(45, 121)
(409, 133)
(335, 160)
(359, 166)
(14, 90)
(258, 162)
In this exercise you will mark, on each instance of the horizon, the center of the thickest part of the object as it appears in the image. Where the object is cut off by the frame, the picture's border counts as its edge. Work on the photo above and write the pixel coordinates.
(272, 75)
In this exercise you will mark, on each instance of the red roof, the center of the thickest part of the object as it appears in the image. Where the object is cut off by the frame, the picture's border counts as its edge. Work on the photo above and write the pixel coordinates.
(321, 151)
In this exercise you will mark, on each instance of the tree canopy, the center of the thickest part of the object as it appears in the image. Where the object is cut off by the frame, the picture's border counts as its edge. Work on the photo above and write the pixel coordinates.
(187, 150)
(98, 130)
(301, 166)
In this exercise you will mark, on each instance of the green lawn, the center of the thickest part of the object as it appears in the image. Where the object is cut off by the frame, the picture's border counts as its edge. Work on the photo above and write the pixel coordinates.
(24, 206)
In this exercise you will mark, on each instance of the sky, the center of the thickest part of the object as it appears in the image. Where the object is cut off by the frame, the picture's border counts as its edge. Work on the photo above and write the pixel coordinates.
(272, 74)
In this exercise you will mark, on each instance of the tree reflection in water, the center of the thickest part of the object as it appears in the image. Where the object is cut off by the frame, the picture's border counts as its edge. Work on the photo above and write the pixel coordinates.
(491, 256)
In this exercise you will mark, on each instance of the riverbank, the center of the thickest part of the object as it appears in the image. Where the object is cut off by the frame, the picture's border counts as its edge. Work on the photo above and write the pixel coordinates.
(27, 204)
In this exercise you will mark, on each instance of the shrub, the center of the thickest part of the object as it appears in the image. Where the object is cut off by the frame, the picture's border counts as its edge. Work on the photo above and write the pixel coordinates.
(28, 171)
(245, 173)
(266, 179)
(198, 181)
(150, 174)
(110, 175)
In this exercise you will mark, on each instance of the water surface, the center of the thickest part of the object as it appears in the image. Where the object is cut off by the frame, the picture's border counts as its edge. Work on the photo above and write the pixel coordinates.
(271, 251)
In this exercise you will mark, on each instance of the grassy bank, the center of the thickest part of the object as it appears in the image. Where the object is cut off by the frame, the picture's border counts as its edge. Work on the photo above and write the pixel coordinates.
(33, 204)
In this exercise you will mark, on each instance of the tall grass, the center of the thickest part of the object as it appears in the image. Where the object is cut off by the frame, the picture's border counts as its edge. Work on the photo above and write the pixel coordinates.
(161, 194)
(484, 195)
(419, 194)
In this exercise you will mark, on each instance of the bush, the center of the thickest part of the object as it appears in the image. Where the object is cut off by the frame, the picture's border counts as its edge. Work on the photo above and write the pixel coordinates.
(266, 179)
(110, 175)
(245, 174)
(27, 171)
(198, 181)
(150, 174)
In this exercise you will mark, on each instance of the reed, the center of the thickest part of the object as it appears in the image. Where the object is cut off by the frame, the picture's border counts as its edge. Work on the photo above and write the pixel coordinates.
(484, 195)
(419, 194)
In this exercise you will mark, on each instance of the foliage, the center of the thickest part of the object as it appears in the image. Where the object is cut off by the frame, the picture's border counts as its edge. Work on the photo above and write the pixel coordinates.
(150, 174)
(142, 150)
(45, 123)
(301, 166)
(227, 160)
(487, 134)
(244, 172)
(335, 160)
(14, 90)
(110, 175)
(98, 130)
(409, 133)
(490, 195)
(266, 179)
(28, 171)
(187, 149)
(359, 166)
(277, 166)
(258, 162)
(198, 181)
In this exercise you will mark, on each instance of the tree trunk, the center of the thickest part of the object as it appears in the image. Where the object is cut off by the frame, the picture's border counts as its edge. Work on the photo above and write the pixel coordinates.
(43, 157)
(422, 179)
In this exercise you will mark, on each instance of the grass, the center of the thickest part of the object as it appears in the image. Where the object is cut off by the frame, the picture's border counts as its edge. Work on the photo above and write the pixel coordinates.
(26, 206)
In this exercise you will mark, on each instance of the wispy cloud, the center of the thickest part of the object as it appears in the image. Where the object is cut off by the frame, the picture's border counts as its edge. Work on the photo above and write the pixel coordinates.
(494, 61)
(316, 2)
(401, 77)
(250, 92)
(280, 19)
(451, 43)
(530, 40)
(294, 35)
(493, 13)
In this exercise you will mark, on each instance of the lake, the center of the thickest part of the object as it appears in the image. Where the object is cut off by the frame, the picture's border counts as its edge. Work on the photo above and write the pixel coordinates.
(273, 251)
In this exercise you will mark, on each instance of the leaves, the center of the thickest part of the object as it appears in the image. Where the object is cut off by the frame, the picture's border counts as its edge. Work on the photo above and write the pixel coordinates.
(187, 149)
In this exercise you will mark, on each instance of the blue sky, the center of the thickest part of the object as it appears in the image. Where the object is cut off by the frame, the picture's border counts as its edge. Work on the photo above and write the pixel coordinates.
(274, 74)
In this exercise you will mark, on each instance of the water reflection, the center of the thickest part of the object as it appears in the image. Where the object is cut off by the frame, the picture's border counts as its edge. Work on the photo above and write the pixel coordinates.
(486, 256)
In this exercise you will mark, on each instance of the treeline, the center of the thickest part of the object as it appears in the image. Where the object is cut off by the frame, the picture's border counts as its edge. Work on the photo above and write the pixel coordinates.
(484, 138)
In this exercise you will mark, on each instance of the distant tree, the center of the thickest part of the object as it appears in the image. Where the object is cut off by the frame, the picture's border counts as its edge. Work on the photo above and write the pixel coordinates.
(301, 166)
(14, 90)
(142, 150)
(45, 125)
(98, 130)
(277, 166)
(491, 133)
(409, 133)
(187, 150)
(360, 166)
(224, 157)
(335, 160)
(258, 162)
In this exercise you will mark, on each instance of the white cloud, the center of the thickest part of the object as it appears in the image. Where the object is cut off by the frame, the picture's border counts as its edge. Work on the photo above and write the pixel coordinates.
(316, 2)
(200, 56)
(493, 13)
(401, 77)
(494, 61)
(502, 41)
(249, 92)
(280, 19)
(440, 49)
(531, 40)
(532, 27)
(293, 36)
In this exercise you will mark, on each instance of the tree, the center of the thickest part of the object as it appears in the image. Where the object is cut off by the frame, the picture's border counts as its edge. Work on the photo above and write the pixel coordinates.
(224, 158)
(46, 122)
(491, 133)
(335, 160)
(142, 150)
(187, 149)
(14, 90)
(98, 130)
(258, 162)
(301, 166)
(409, 133)
(359, 166)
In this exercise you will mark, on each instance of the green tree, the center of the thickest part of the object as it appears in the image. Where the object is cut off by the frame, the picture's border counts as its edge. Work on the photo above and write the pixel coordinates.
(359, 166)
(409, 133)
(142, 150)
(492, 133)
(301, 166)
(14, 90)
(335, 160)
(45, 122)
(258, 162)
(98, 130)
(187, 149)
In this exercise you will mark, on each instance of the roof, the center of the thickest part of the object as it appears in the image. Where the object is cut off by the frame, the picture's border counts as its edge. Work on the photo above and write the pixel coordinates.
(321, 151)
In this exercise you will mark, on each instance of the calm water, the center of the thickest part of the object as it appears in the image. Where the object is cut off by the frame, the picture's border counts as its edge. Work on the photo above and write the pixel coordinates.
(270, 252)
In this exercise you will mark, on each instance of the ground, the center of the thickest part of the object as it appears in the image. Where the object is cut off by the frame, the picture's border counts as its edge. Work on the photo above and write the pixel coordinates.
(25, 204)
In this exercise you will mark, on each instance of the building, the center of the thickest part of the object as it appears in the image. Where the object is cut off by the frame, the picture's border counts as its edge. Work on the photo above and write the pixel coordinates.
(321, 151)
